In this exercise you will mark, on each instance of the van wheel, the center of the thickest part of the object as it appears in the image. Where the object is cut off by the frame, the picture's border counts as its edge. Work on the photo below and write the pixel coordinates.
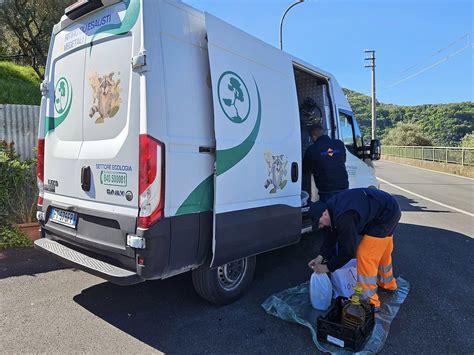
(224, 284)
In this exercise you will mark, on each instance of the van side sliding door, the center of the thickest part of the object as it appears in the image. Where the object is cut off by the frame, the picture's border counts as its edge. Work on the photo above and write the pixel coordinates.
(258, 146)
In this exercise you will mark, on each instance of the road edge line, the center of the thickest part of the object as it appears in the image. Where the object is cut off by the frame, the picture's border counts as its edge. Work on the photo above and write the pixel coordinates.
(426, 198)
(433, 171)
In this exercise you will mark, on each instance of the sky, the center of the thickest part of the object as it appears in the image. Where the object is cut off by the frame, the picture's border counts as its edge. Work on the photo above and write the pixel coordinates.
(429, 42)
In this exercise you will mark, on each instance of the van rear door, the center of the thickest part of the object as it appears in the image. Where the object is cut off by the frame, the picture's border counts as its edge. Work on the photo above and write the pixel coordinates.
(92, 124)
(257, 205)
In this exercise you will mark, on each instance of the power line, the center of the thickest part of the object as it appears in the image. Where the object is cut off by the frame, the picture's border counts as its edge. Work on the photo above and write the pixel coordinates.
(449, 56)
(434, 54)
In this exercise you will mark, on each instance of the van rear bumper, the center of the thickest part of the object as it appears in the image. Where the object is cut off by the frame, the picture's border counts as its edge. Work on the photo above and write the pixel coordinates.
(91, 265)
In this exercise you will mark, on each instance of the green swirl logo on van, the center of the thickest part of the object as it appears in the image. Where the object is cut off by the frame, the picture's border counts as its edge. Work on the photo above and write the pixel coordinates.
(202, 197)
(234, 97)
(62, 104)
(62, 95)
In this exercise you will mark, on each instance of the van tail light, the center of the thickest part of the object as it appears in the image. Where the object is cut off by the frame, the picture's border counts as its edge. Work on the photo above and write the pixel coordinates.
(151, 181)
(40, 171)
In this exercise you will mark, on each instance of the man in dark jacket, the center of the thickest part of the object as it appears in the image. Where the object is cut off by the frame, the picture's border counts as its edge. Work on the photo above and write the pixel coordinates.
(369, 212)
(326, 160)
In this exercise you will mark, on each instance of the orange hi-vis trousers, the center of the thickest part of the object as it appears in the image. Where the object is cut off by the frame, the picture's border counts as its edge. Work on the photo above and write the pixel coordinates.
(374, 266)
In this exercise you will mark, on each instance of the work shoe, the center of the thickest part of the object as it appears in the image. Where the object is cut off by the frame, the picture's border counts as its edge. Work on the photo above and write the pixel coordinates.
(386, 290)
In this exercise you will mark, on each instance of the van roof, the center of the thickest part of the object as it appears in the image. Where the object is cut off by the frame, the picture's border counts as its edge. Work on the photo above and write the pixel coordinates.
(340, 98)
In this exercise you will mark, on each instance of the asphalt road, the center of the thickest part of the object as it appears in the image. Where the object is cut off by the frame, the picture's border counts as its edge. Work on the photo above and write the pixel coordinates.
(46, 307)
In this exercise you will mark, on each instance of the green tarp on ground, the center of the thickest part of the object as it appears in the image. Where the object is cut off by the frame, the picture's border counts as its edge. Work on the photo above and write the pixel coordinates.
(294, 305)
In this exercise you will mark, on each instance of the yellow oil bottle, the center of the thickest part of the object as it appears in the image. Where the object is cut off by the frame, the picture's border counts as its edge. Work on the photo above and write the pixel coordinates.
(358, 291)
(353, 313)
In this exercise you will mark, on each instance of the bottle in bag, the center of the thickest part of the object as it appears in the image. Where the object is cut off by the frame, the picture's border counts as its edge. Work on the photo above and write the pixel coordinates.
(353, 313)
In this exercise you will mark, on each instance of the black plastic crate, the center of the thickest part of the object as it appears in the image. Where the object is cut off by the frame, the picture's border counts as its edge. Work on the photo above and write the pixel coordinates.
(330, 328)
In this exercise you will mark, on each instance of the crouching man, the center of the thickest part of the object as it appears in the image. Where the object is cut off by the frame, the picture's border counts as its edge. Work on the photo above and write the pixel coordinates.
(368, 212)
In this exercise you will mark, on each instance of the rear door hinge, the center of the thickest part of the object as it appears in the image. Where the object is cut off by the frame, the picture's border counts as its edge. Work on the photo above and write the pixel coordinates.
(139, 61)
(44, 87)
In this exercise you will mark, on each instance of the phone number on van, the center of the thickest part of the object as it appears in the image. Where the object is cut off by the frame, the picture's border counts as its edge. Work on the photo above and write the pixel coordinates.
(113, 179)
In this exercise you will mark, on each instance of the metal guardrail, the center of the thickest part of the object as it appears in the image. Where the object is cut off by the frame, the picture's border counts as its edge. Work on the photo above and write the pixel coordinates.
(447, 155)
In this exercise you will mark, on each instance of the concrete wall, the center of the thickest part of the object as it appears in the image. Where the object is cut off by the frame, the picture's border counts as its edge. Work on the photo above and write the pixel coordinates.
(19, 124)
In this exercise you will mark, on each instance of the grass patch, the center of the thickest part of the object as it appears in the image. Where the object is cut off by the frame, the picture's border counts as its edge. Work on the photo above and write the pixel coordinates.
(19, 85)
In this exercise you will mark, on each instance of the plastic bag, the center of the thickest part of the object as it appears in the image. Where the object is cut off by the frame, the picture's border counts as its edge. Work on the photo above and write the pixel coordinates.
(344, 279)
(320, 291)
(293, 305)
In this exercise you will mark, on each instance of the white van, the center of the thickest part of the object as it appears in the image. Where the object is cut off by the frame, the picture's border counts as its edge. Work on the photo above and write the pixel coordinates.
(171, 141)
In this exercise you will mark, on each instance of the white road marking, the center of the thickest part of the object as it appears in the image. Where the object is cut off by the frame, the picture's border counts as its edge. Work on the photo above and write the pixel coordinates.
(433, 171)
(426, 198)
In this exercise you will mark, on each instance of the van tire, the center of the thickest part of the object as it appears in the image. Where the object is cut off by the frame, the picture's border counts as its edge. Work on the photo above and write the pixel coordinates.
(215, 285)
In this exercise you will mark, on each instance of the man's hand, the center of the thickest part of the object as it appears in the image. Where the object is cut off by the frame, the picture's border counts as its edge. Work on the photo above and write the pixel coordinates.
(315, 262)
(321, 269)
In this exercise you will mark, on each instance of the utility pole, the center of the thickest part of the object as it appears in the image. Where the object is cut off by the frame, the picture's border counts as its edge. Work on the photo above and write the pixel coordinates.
(370, 56)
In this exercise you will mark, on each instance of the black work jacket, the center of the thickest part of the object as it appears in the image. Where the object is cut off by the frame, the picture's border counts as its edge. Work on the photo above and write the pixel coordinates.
(326, 160)
(358, 212)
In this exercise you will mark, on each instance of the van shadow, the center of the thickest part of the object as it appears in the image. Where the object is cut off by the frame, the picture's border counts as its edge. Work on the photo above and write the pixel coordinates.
(169, 316)
(27, 261)
(410, 205)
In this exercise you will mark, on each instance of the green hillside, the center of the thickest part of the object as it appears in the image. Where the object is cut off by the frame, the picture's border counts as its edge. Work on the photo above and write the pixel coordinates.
(443, 124)
(18, 85)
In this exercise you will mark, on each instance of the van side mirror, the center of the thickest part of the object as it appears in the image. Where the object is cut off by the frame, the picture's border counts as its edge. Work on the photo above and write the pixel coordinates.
(375, 149)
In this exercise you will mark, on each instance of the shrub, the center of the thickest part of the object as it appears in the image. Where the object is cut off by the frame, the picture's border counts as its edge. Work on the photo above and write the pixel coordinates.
(12, 237)
(408, 134)
(468, 140)
(18, 190)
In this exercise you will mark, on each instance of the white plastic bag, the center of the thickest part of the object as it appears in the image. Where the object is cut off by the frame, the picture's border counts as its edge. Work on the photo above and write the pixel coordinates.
(345, 279)
(320, 291)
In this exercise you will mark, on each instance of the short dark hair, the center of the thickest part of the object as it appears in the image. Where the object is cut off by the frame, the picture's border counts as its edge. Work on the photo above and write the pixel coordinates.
(317, 127)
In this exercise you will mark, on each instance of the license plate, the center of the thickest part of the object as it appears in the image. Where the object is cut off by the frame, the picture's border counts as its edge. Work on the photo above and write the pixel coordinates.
(66, 218)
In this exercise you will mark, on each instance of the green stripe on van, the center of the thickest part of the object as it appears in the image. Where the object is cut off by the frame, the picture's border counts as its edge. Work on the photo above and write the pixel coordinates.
(131, 16)
(52, 122)
(228, 158)
(200, 199)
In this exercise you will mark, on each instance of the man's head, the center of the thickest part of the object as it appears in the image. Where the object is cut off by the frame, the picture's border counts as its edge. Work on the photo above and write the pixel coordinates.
(319, 213)
(316, 131)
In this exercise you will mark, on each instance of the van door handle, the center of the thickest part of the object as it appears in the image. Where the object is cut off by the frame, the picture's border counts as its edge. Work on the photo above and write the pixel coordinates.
(294, 172)
(209, 150)
(86, 178)
(63, 206)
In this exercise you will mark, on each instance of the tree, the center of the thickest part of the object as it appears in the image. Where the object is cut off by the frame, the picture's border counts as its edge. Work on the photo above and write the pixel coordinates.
(443, 124)
(234, 86)
(406, 134)
(468, 140)
(26, 26)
